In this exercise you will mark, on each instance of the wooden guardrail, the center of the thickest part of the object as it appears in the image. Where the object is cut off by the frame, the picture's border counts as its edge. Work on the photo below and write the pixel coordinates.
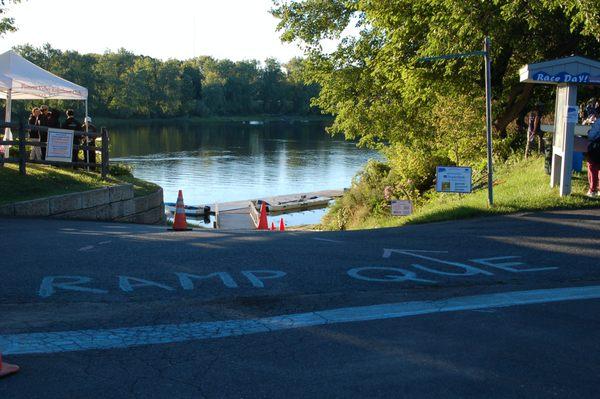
(21, 141)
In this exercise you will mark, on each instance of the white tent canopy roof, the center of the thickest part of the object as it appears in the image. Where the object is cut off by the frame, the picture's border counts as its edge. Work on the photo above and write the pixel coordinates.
(30, 82)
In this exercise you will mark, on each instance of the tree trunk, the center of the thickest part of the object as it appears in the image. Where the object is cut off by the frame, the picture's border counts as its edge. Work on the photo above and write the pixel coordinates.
(517, 101)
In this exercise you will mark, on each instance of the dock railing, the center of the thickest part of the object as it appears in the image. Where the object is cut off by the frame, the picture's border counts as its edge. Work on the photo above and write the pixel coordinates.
(20, 139)
(254, 215)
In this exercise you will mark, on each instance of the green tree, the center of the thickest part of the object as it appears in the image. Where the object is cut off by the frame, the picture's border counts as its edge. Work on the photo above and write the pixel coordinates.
(191, 77)
(7, 24)
(300, 93)
(374, 83)
(270, 86)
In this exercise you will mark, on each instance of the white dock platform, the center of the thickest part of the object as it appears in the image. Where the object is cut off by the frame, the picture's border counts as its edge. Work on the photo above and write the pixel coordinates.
(235, 215)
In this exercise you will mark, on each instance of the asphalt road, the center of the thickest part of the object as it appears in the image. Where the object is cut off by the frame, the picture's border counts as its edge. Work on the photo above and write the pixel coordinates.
(498, 307)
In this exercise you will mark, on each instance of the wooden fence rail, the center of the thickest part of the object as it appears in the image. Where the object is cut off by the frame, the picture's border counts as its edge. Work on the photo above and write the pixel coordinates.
(21, 133)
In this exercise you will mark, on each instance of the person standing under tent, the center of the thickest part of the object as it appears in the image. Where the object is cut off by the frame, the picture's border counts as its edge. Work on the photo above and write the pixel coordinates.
(45, 119)
(55, 115)
(88, 127)
(34, 134)
(72, 124)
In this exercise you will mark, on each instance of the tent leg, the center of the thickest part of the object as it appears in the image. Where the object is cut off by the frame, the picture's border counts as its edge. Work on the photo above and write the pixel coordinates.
(7, 132)
(86, 153)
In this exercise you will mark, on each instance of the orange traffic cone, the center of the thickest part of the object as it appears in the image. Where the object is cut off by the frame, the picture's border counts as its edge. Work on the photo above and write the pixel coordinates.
(263, 223)
(272, 226)
(180, 223)
(7, 369)
(281, 225)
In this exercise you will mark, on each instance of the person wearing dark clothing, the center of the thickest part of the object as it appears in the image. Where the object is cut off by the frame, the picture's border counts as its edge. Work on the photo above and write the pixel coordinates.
(43, 115)
(534, 129)
(44, 120)
(72, 124)
(90, 141)
(50, 117)
(34, 120)
(55, 117)
(34, 134)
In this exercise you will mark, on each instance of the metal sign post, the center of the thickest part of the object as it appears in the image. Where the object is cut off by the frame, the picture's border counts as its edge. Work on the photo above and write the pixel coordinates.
(488, 114)
(488, 103)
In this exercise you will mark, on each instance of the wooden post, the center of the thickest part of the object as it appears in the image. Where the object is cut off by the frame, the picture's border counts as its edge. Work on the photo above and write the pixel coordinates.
(22, 154)
(104, 153)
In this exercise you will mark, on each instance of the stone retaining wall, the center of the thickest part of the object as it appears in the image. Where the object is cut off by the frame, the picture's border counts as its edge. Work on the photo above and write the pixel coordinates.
(115, 203)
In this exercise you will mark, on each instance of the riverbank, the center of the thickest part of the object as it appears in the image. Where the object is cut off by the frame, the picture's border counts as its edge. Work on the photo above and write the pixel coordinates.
(520, 186)
(44, 181)
(104, 121)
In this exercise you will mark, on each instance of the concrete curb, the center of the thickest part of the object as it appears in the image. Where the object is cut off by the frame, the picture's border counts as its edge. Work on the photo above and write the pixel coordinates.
(114, 203)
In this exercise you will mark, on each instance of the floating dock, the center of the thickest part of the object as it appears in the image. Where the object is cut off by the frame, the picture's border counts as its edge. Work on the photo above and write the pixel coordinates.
(241, 215)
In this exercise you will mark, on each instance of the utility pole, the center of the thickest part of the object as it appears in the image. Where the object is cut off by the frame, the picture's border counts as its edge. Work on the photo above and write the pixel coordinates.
(488, 115)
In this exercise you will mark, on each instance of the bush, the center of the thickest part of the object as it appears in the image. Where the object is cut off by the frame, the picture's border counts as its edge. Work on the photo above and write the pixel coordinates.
(414, 167)
(365, 196)
(120, 169)
(513, 143)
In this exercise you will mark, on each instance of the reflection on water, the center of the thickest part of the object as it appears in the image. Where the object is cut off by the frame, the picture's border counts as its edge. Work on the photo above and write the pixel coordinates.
(312, 216)
(220, 162)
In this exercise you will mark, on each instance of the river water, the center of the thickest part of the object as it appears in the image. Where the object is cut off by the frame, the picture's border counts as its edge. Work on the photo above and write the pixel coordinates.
(221, 162)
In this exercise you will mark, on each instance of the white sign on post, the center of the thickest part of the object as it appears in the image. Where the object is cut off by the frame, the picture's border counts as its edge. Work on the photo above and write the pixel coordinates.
(401, 208)
(572, 114)
(60, 145)
(452, 179)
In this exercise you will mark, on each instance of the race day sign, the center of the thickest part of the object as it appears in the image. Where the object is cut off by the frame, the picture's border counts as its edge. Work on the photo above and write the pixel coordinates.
(60, 145)
(565, 77)
(452, 179)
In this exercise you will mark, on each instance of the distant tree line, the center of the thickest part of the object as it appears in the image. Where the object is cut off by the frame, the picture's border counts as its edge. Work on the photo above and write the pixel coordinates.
(125, 85)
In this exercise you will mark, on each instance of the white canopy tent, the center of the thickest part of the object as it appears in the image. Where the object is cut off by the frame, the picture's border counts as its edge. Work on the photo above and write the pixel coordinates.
(23, 80)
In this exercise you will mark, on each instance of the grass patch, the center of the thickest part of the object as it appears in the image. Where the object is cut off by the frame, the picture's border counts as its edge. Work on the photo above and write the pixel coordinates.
(43, 181)
(520, 186)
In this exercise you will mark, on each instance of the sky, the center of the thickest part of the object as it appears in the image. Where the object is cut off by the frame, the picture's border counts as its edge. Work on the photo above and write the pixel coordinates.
(180, 29)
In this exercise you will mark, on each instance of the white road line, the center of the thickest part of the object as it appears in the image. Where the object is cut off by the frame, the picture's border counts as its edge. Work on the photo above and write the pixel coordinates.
(86, 248)
(328, 240)
(81, 340)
